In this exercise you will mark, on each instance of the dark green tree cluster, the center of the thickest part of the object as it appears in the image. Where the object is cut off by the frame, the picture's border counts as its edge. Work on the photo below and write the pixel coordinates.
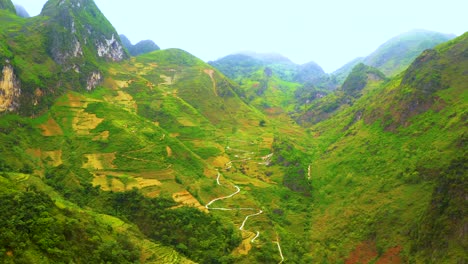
(32, 228)
(295, 167)
(198, 235)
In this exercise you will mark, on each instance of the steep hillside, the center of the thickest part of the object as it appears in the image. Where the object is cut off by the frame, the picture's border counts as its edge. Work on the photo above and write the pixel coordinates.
(88, 35)
(395, 55)
(342, 73)
(161, 158)
(398, 53)
(155, 145)
(273, 83)
(362, 79)
(62, 49)
(7, 5)
(382, 166)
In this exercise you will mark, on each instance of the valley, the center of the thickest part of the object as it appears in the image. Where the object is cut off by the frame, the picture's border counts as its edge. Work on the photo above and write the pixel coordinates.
(120, 153)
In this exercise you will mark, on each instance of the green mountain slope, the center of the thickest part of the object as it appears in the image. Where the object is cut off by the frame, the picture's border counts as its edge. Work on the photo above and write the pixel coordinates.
(361, 80)
(83, 21)
(161, 158)
(162, 123)
(382, 166)
(7, 5)
(274, 84)
(395, 55)
(398, 53)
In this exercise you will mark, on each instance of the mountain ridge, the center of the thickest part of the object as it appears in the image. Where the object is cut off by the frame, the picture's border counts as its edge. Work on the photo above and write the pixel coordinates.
(164, 159)
(144, 46)
(397, 53)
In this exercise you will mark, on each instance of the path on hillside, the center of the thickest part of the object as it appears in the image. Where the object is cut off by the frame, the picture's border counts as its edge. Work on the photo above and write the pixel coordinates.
(265, 161)
(207, 206)
(210, 73)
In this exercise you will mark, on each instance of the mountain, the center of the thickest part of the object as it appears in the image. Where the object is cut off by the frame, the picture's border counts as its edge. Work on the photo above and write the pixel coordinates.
(241, 65)
(318, 108)
(399, 52)
(123, 164)
(395, 55)
(237, 66)
(167, 160)
(273, 83)
(389, 159)
(144, 46)
(87, 32)
(21, 11)
(7, 5)
(309, 73)
(66, 45)
(342, 73)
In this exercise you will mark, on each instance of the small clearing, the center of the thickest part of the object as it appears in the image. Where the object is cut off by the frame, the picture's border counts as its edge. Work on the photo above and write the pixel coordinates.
(246, 244)
(99, 161)
(51, 128)
(102, 136)
(126, 100)
(51, 158)
(84, 122)
(169, 151)
(167, 80)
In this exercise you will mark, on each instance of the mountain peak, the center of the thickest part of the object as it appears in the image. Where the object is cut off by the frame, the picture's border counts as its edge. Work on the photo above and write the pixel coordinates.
(7, 5)
(142, 47)
(396, 54)
(21, 11)
(87, 31)
(270, 57)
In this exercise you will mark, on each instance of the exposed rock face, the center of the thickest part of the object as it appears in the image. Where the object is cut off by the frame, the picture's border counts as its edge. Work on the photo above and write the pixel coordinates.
(93, 80)
(78, 30)
(110, 49)
(9, 90)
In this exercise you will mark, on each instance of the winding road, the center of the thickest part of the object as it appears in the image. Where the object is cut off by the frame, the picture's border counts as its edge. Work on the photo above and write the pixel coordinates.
(207, 206)
(266, 161)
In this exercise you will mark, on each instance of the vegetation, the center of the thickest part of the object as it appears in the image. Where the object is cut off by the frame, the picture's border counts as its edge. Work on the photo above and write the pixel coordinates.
(395, 55)
(121, 172)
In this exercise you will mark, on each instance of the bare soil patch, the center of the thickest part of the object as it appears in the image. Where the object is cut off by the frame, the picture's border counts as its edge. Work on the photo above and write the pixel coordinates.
(99, 161)
(51, 128)
(84, 122)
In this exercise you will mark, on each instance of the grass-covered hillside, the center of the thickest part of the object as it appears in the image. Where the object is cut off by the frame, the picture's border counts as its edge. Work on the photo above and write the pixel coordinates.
(161, 158)
(389, 171)
(159, 137)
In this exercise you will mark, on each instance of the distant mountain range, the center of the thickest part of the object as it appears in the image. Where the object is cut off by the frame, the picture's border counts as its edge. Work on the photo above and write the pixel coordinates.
(142, 47)
(21, 11)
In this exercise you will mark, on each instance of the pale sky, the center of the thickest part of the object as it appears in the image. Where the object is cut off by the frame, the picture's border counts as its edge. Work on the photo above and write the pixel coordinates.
(329, 32)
